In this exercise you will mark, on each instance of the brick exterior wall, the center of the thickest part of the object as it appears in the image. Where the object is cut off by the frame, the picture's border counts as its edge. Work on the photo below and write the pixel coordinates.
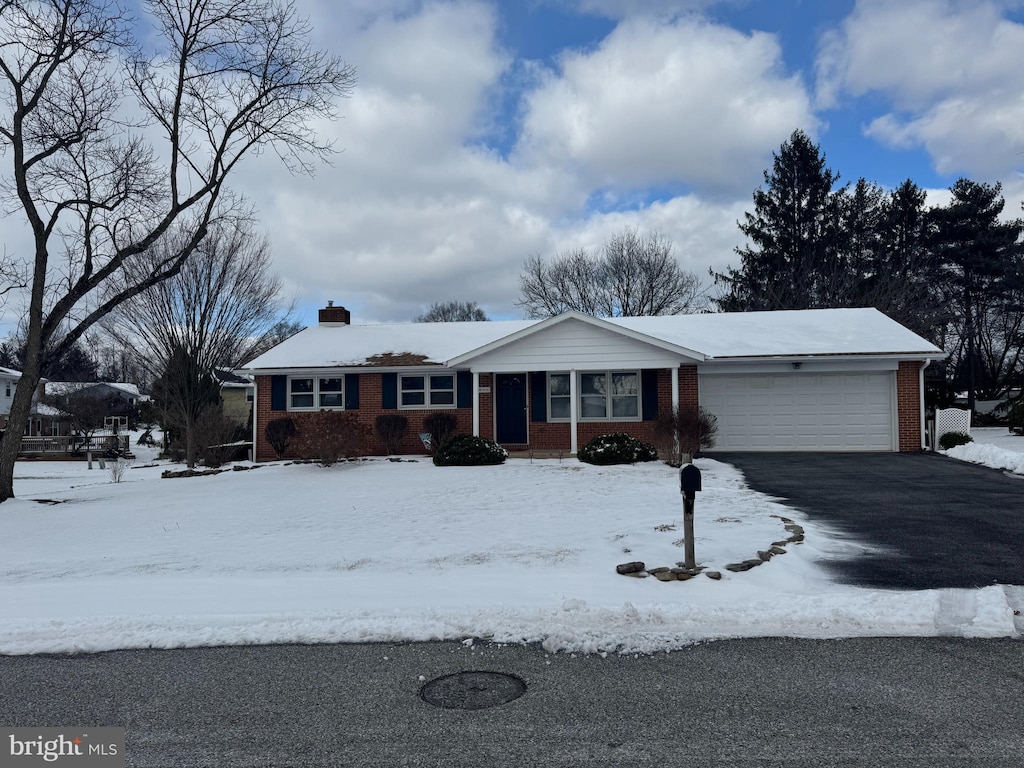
(371, 397)
(542, 435)
(556, 436)
(908, 405)
(689, 392)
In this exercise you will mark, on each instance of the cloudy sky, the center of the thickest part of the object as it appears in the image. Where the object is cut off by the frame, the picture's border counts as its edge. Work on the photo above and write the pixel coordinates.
(482, 132)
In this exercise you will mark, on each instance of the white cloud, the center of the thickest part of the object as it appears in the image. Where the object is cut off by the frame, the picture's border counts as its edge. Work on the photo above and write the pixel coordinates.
(657, 102)
(418, 209)
(621, 9)
(950, 70)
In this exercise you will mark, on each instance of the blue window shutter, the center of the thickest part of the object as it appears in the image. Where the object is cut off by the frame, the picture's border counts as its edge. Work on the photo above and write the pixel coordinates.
(351, 391)
(389, 390)
(538, 396)
(278, 393)
(464, 389)
(649, 393)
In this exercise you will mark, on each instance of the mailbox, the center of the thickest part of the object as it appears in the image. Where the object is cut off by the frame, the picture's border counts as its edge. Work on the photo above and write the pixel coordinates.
(689, 480)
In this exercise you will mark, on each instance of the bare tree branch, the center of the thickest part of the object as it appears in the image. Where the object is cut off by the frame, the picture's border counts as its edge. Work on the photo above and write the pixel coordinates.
(633, 275)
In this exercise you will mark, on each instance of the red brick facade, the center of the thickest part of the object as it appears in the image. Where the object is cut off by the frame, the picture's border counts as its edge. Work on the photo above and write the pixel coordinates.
(541, 435)
(908, 405)
(555, 436)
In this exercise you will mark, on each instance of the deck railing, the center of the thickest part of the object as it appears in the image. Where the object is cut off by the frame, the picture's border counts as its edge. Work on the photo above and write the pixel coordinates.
(68, 444)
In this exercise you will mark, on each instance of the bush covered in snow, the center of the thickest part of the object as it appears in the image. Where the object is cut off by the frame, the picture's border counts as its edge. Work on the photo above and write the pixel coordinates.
(951, 439)
(469, 451)
(616, 448)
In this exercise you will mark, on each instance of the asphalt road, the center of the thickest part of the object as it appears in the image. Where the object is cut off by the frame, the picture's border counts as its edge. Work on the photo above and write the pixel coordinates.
(937, 522)
(868, 702)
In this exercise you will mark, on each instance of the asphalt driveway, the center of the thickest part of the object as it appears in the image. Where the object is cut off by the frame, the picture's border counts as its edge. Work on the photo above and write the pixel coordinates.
(942, 522)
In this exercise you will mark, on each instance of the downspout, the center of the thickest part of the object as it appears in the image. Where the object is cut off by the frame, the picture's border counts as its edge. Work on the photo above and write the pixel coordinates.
(255, 413)
(920, 394)
(476, 404)
(573, 412)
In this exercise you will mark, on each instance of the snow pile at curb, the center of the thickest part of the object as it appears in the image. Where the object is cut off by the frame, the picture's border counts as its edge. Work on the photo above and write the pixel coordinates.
(989, 456)
(576, 627)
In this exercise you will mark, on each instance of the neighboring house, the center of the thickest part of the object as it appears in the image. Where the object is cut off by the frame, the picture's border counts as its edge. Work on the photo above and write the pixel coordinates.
(8, 383)
(811, 380)
(236, 394)
(45, 420)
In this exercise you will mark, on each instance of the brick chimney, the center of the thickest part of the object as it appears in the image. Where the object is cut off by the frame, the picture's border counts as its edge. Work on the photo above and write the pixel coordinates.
(332, 315)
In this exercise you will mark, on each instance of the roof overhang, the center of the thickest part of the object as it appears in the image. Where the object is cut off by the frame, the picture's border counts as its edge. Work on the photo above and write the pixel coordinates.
(838, 357)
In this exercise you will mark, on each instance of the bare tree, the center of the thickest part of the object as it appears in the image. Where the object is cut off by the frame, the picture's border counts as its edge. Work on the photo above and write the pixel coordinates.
(632, 275)
(98, 189)
(452, 312)
(214, 313)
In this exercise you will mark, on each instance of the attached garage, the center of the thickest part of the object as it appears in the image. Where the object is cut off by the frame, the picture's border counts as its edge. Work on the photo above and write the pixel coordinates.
(802, 410)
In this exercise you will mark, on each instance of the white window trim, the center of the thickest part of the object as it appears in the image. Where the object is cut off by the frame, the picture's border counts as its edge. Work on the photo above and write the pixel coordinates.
(428, 404)
(608, 398)
(557, 419)
(316, 393)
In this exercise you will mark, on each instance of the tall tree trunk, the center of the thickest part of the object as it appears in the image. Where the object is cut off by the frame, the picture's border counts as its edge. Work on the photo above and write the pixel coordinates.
(190, 439)
(10, 445)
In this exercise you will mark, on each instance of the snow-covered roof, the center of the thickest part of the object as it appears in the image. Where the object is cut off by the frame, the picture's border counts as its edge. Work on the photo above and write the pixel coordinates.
(231, 380)
(397, 344)
(67, 387)
(785, 333)
(9, 373)
(792, 333)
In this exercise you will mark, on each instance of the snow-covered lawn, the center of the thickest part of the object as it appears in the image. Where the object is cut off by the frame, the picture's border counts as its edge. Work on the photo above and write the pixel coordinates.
(994, 447)
(385, 551)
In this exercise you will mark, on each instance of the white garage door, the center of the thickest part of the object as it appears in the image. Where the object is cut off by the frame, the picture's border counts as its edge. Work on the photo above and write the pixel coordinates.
(801, 411)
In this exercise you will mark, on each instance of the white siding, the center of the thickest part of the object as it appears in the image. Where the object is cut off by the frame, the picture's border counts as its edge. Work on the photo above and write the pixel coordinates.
(574, 344)
(796, 411)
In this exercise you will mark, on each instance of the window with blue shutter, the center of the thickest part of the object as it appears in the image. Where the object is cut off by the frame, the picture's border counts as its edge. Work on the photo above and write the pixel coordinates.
(389, 390)
(465, 389)
(278, 393)
(351, 391)
(649, 397)
(538, 396)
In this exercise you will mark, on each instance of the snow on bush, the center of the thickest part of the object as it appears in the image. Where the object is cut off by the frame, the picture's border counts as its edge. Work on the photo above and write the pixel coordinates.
(616, 448)
(469, 451)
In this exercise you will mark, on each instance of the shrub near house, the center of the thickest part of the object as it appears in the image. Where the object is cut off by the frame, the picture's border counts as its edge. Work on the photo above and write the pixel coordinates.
(469, 451)
(616, 449)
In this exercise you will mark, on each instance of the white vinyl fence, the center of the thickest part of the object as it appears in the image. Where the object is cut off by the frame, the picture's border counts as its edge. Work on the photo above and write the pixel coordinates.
(950, 420)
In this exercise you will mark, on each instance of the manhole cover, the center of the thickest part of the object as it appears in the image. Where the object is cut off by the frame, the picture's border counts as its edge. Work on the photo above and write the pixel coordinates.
(473, 690)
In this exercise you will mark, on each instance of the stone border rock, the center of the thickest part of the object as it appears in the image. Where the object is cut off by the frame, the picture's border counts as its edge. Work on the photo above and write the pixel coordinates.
(170, 473)
(638, 569)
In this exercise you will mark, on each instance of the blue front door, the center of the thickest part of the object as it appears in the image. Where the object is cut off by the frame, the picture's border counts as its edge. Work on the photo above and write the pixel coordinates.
(510, 408)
